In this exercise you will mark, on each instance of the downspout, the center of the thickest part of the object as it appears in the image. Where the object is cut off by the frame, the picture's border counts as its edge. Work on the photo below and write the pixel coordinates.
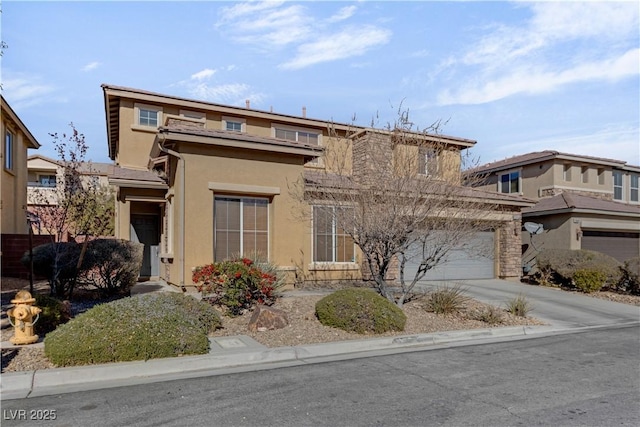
(181, 200)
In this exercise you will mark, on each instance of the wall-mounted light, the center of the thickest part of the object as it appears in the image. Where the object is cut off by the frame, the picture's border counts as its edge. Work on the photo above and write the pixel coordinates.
(578, 233)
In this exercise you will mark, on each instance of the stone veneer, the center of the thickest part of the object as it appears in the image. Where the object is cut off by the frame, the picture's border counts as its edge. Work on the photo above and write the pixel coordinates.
(509, 237)
(554, 191)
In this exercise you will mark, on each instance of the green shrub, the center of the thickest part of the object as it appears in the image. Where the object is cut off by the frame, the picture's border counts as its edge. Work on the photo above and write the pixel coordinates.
(360, 310)
(630, 280)
(562, 265)
(54, 313)
(447, 300)
(589, 280)
(519, 306)
(57, 262)
(112, 265)
(135, 328)
(237, 284)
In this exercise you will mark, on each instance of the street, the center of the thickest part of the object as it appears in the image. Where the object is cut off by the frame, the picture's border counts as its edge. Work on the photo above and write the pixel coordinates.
(590, 378)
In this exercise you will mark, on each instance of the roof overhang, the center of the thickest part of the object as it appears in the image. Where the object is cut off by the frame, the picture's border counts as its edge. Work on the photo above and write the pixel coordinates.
(7, 110)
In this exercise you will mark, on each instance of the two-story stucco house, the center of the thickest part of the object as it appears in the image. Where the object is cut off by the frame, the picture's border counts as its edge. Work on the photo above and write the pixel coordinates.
(199, 182)
(583, 202)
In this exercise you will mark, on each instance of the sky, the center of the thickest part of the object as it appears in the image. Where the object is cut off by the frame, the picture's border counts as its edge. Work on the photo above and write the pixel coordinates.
(516, 77)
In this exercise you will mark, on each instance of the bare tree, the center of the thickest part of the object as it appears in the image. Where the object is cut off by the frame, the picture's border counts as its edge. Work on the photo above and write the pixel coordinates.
(397, 194)
(73, 209)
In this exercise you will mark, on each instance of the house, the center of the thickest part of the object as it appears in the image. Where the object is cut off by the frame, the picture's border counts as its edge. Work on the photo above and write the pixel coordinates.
(583, 202)
(13, 207)
(46, 184)
(199, 182)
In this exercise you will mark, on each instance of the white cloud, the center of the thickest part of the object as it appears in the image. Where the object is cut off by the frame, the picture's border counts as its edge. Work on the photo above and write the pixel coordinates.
(562, 43)
(347, 43)
(91, 66)
(344, 13)
(204, 74)
(23, 90)
(230, 93)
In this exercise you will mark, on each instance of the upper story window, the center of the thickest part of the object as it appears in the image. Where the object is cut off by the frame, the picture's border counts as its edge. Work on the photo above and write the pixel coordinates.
(427, 161)
(148, 115)
(47, 180)
(234, 124)
(9, 148)
(585, 174)
(617, 185)
(633, 190)
(304, 136)
(510, 182)
(600, 176)
(566, 172)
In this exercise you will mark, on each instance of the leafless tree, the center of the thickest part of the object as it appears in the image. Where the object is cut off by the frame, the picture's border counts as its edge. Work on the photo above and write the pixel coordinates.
(397, 194)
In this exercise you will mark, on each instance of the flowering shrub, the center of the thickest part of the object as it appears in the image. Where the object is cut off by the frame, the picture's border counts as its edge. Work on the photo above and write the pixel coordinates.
(237, 284)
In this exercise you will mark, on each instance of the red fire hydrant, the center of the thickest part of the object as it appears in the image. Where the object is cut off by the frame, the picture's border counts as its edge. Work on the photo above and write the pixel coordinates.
(23, 312)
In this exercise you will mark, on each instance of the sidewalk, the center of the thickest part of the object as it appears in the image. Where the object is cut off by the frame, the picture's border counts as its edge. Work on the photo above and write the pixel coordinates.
(242, 353)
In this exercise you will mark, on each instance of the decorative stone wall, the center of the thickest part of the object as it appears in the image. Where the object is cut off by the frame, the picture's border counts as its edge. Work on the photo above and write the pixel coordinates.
(510, 249)
(554, 191)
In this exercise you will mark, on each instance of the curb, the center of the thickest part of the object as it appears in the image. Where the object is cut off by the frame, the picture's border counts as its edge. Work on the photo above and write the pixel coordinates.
(20, 385)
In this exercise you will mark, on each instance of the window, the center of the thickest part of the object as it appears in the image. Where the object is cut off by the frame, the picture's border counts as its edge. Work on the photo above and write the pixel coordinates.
(46, 180)
(633, 193)
(585, 174)
(8, 150)
(148, 115)
(297, 135)
(428, 162)
(510, 182)
(600, 176)
(566, 172)
(617, 185)
(234, 124)
(330, 242)
(241, 226)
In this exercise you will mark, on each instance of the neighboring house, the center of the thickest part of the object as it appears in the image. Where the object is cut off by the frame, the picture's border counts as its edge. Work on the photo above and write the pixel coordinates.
(13, 182)
(46, 184)
(583, 202)
(199, 182)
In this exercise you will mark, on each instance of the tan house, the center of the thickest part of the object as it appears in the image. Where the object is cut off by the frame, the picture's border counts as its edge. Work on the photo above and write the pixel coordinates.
(17, 139)
(583, 202)
(199, 182)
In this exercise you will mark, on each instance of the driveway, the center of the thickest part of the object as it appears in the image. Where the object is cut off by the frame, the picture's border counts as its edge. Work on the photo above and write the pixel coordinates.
(559, 308)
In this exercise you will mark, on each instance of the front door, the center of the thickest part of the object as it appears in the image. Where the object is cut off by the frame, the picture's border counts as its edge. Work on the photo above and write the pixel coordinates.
(144, 229)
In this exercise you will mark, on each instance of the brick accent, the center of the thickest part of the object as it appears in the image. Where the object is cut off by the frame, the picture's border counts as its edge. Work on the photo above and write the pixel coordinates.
(510, 249)
(13, 247)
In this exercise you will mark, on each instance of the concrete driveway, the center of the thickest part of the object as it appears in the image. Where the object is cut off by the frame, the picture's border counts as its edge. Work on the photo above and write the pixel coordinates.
(559, 308)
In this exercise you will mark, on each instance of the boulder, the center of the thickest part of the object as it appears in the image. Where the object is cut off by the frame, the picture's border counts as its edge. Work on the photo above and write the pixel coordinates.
(266, 318)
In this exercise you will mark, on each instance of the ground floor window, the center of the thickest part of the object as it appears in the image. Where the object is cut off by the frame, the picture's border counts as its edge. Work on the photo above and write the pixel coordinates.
(241, 226)
(330, 242)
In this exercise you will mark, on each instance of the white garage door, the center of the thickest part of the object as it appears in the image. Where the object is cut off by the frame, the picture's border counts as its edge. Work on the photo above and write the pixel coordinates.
(474, 260)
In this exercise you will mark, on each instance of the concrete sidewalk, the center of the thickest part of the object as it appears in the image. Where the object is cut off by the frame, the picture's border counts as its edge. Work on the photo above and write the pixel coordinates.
(566, 313)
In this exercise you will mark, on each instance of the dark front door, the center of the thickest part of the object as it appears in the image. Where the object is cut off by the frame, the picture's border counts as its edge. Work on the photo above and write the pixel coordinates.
(144, 229)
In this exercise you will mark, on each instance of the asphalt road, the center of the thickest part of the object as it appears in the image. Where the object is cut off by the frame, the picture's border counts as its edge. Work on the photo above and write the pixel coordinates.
(590, 378)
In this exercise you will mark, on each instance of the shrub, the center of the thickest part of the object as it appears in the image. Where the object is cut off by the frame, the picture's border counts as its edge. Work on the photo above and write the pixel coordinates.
(57, 262)
(237, 284)
(630, 280)
(134, 328)
(519, 306)
(447, 300)
(589, 280)
(112, 265)
(360, 310)
(490, 314)
(54, 313)
(562, 264)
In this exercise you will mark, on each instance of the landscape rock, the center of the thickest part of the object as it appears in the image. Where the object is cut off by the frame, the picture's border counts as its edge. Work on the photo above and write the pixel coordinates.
(267, 318)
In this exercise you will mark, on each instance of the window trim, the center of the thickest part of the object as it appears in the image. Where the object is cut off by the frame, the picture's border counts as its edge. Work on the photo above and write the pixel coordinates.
(242, 199)
(508, 173)
(9, 150)
(137, 107)
(226, 119)
(316, 265)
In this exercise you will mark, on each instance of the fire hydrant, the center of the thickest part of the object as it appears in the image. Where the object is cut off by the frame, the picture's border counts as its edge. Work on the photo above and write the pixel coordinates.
(23, 312)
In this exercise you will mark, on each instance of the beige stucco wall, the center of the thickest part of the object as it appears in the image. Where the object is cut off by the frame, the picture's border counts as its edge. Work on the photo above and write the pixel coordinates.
(14, 182)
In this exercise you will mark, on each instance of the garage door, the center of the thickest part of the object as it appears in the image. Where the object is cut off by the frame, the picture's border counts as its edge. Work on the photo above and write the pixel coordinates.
(474, 260)
(619, 245)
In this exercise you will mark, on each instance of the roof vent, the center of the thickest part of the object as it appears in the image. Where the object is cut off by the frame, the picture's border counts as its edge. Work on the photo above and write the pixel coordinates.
(248, 103)
(304, 112)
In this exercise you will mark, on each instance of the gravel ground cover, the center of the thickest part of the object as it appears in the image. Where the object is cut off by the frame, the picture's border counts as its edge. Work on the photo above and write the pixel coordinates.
(303, 327)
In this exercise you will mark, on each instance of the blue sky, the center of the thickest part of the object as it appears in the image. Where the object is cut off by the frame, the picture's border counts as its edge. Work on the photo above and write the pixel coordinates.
(515, 76)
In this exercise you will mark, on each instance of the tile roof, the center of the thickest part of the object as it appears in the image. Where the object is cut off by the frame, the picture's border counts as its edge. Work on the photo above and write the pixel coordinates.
(570, 201)
(539, 156)
(120, 173)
